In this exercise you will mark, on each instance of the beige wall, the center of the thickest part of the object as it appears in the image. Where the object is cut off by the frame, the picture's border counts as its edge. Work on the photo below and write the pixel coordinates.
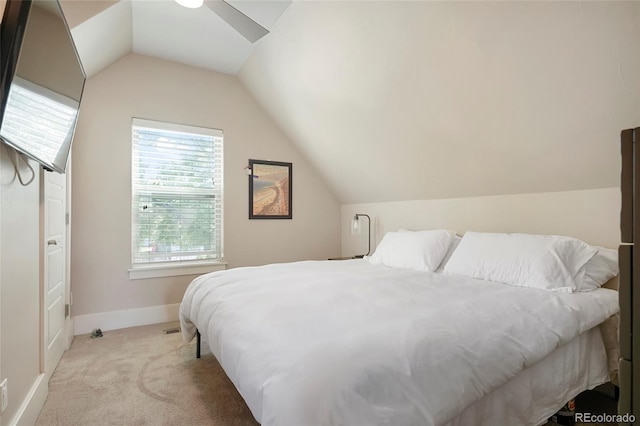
(19, 284)
(139, 86)
(590, 215)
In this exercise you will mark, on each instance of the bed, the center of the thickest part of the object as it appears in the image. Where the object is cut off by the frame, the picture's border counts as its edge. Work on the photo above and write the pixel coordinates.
(365, 342)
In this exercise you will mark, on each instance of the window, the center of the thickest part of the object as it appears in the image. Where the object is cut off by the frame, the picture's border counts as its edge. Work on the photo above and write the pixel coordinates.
(176, 195)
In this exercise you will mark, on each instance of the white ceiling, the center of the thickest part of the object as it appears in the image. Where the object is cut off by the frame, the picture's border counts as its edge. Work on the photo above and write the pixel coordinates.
(106, 31)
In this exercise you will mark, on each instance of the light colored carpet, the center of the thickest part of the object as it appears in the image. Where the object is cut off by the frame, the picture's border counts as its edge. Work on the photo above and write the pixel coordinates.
(141, 376)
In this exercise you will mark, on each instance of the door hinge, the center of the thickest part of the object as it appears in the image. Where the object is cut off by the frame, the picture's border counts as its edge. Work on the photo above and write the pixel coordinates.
(67, 308)
(66, 218)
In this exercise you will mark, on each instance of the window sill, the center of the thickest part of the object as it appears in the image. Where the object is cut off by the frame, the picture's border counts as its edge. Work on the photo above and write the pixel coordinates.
(156, 271)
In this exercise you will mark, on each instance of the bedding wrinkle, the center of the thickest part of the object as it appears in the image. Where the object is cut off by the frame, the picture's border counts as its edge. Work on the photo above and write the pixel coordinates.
(583, 361)
(356, 343)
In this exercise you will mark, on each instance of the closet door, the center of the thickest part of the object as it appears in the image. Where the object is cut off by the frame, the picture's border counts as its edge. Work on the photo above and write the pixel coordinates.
(54, 275)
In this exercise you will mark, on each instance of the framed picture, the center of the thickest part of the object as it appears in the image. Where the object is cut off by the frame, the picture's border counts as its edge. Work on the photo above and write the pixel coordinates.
(270, 189)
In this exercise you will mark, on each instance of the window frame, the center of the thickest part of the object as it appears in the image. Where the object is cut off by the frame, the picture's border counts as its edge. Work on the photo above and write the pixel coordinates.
(178, 267)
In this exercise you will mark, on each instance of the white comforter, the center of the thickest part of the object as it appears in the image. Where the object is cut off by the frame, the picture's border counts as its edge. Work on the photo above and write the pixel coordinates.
(350, 343)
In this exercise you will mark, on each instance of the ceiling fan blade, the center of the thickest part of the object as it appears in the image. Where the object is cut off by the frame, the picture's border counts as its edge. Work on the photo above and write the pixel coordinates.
(246, 26)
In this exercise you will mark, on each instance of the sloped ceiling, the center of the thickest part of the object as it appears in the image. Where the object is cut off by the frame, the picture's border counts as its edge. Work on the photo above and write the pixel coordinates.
(106, 30)
(403, 100)
(421, 100)
(92, 29)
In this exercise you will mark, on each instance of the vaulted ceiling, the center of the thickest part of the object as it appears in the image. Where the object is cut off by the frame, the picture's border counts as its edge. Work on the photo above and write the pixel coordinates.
(395, 100)
(105, 31)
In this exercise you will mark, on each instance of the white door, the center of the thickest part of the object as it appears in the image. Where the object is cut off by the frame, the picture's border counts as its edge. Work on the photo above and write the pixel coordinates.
(54, 269)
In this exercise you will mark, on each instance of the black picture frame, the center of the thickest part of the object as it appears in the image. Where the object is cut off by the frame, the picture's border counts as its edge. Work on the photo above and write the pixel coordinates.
(270, 189)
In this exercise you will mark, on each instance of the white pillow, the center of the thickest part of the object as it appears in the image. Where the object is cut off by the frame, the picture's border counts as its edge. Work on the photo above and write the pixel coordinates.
(447, 256)
(599, 269)
(421, 250)
(548, 262)
(452, 247)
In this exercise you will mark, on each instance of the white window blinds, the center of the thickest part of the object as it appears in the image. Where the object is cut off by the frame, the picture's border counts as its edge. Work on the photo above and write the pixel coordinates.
(176, 193)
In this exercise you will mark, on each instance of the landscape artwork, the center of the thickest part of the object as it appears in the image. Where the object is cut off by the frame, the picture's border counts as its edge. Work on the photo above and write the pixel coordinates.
(270, 190)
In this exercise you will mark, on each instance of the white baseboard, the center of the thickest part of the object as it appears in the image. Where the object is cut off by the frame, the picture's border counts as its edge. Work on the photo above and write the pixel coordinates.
(30, 408)
(113, 320)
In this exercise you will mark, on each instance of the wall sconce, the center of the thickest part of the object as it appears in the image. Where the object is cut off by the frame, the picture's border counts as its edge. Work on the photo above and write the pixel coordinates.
(356, 229)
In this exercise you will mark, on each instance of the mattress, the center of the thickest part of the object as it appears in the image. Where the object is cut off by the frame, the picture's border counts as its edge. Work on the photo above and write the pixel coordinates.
(353, 343)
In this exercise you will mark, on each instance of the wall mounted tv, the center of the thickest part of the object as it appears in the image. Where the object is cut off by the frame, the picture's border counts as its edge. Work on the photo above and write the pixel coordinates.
(42, 82)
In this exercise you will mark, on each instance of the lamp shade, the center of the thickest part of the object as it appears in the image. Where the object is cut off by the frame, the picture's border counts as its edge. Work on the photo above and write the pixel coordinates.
(355, 226)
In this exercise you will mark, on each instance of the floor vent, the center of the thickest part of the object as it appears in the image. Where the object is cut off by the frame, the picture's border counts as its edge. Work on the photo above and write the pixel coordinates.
(172, 330)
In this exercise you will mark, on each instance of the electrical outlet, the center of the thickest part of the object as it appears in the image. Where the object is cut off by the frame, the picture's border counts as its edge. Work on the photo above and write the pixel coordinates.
(5, 394)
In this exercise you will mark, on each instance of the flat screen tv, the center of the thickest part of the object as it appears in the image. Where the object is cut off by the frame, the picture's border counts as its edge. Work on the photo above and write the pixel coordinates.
(42, 82)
